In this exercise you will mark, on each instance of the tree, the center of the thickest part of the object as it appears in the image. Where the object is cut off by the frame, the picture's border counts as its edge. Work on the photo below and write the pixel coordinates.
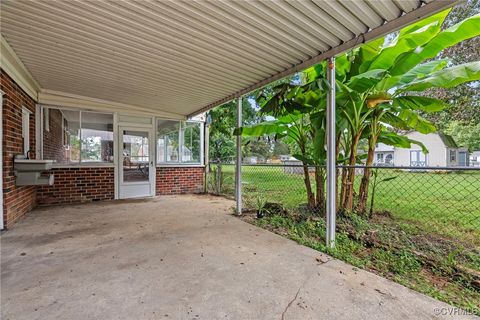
(463, 101)
(261, 148)
(222, 142)
(378, 87)
(465, 135)
(280, 148)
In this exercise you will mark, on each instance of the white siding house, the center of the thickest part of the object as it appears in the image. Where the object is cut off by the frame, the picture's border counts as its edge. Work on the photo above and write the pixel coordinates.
(442, 152)
(475, 159)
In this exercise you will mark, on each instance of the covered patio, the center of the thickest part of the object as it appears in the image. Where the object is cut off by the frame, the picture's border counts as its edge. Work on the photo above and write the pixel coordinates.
(109, 99)
(182, 257)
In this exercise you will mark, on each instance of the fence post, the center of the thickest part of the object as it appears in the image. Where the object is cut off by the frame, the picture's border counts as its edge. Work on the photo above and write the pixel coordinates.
(331, 156)
(218, 178)
(238, 162)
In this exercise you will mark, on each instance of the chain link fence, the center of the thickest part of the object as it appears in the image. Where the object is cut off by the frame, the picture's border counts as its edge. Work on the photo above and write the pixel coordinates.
(438, 201)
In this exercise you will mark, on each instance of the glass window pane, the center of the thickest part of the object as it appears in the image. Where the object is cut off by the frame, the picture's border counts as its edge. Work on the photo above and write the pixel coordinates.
(135, 156)
(191, 142)
(168, 141)
(62, 141)
(97, 137)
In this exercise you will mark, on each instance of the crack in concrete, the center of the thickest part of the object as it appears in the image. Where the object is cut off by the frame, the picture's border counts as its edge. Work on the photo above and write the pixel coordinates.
(321, 262)
(291, 302)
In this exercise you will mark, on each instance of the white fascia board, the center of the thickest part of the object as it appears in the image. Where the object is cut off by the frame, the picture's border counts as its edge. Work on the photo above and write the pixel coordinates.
(14, 67)
(63, 99)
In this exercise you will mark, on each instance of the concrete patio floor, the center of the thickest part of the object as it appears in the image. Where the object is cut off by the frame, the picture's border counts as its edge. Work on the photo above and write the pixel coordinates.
(182, 257)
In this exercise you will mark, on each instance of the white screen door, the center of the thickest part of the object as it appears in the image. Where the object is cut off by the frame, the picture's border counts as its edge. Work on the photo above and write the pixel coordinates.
(136, 163)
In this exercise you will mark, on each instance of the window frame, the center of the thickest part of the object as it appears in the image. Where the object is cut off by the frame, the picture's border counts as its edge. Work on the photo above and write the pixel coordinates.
(80, 163)
(26, 130)
(180, 162)
(452, 155)
(418, 154)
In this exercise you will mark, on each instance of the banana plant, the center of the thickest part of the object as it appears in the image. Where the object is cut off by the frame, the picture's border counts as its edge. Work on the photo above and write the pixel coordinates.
(378, 86)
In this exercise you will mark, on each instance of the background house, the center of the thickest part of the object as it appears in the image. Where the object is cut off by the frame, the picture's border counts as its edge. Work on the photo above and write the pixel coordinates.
(475, 158)
(442, 152)
(384, 155)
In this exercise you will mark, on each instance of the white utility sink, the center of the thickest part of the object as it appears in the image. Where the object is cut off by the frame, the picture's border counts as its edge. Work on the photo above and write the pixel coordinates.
(23, 165)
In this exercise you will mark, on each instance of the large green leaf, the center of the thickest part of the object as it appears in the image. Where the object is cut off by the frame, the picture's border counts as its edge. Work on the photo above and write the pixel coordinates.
(367, 80)
(464, 30)
(399, 141)
(261, 129)
(394, 121)
(439, 17)
(416, 122)
(420, 71)
(312, 73)
(446, 78)
(364, 55)
(342, 66)
(405, 43)
(420, 103)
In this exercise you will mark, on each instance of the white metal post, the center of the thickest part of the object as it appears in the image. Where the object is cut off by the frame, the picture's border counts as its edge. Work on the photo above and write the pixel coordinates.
(238, 163)
(331, 156)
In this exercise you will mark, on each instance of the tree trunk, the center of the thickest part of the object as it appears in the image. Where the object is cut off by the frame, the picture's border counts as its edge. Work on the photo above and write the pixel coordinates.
(343, 191)
(337, 171)
(363, 192)
(320, 184)
(308, 187)
(348, 204)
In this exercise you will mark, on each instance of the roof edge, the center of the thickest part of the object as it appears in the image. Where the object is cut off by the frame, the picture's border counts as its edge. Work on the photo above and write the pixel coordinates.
(14, 67)
(59, 99)
(421, 12)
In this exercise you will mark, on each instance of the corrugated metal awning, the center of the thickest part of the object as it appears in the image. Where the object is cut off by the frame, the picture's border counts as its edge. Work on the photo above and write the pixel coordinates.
(183, 57)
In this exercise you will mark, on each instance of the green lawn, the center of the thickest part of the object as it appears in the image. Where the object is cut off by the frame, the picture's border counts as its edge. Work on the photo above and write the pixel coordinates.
(447, 204)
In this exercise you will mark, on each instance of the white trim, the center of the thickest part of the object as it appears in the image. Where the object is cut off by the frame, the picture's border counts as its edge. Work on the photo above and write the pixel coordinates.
(1, 161)
(26, 130)
(38, 131)
(15, 68)
(46, 119)
(179, 163)
(64, 99)
(83, 165)
(119, 161)
(116, 150)
(176, 165)
(40, 141)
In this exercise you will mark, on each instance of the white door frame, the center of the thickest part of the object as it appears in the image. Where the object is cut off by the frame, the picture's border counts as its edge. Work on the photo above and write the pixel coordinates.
(151, 156)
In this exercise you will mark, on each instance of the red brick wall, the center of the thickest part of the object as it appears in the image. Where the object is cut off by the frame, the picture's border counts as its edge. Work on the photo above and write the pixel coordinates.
(53, 146)
(17, 201)
(77, 185)
(179, 180)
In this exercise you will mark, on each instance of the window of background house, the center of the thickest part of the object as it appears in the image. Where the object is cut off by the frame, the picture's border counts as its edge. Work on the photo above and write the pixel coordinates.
(453, 156)
(418, 158)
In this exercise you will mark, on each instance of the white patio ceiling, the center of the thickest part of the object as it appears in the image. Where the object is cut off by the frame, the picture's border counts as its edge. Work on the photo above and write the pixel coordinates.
(183, 57)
